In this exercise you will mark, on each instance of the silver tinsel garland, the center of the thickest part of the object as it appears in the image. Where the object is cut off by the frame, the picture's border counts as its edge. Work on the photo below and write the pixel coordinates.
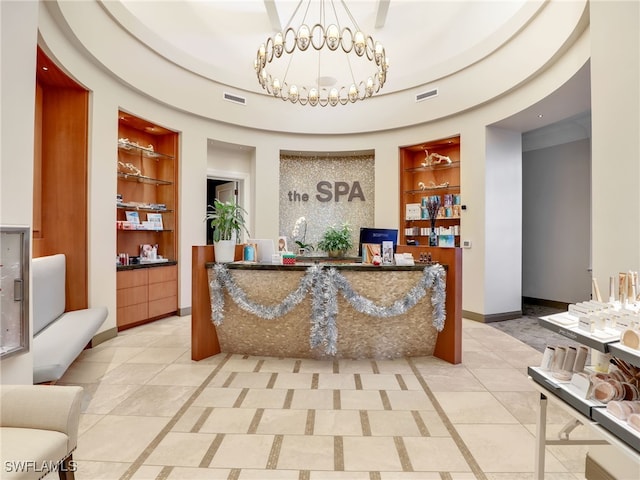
(324, 285)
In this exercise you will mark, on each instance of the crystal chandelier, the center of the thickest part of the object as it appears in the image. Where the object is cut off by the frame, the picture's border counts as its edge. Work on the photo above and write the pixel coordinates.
(345, 49)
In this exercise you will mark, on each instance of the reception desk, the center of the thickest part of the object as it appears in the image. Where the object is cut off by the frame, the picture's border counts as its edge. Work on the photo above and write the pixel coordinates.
(363, 311)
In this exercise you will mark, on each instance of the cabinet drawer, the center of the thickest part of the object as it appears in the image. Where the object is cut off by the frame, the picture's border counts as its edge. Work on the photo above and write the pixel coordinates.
(163, 306)
(132, 314)
(163, 274)
(132, 296)
(162, 290)
(132, 278)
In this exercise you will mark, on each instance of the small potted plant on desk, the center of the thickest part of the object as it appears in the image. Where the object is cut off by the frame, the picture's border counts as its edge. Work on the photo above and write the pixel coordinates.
(227, 221)
(336, 241)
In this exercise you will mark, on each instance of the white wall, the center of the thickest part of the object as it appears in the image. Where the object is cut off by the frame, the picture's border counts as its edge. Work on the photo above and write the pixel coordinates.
(18, 22)
(556, 229)
(615, 99)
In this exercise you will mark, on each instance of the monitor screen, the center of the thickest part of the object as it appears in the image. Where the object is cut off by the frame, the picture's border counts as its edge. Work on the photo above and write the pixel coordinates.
(377, 235)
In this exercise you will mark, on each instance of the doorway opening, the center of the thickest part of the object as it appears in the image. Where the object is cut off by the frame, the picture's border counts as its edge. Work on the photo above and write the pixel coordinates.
(224, 190)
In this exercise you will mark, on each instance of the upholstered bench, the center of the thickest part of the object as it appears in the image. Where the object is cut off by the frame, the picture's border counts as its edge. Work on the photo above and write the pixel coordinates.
(58, 336)
(39, 430)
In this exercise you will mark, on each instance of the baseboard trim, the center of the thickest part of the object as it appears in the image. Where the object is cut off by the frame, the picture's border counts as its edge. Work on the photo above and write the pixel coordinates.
(492, 317)
(545, 303)
(104, 336)
(183, 312)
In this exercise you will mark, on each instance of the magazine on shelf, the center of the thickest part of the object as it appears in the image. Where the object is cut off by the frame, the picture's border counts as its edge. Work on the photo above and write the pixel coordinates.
(132, 217)
(156, 220)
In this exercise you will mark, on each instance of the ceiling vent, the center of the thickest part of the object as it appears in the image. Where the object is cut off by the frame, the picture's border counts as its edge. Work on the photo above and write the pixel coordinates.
(229, 97)
(424, 95)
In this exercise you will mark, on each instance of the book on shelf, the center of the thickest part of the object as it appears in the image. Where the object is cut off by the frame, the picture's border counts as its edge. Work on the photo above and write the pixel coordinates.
(156, 220)
(132, 217)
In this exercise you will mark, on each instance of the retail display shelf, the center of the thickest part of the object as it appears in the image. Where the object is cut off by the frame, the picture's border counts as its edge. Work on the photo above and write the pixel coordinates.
(559, 323)
(625, 353)
(563, 390)
(617, 427)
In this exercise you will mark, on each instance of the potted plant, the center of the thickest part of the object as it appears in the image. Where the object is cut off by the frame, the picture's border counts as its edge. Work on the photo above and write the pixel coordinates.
(336, 241)
(227, 221)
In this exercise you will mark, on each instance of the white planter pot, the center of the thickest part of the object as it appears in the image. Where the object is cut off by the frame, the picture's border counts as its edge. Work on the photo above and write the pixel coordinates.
(224, 251)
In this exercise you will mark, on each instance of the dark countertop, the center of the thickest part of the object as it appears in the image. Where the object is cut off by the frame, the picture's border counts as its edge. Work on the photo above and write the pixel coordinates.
(145, 265)
(303, 265)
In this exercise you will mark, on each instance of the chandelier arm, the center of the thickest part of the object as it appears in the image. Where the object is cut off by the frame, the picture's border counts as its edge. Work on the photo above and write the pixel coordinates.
(353, 20)
(294, 14)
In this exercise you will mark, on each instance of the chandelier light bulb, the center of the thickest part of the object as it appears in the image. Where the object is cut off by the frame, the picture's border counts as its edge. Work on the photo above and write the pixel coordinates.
(303, 37)
(293, 93)
(313, 96)
(335, 39)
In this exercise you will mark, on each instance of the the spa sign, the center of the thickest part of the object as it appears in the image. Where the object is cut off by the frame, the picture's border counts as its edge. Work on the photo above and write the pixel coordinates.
(327, 191)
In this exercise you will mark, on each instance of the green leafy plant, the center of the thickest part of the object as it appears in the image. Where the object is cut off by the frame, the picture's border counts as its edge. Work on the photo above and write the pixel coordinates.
(226, 219)
(336, 239)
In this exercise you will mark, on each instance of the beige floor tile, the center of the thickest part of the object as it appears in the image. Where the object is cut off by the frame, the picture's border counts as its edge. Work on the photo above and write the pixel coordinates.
(306, 453)
(483, 359)
(87, 420)
(488, 444)
(160, 355)
(228, 420)
(293, 380)
(447, 459)
(222, 378)
(337, 422)
(316, 366)
(326, 475)
(454, 381)
(154, 400)
(178, 340)
(361, 400)
(239, 364)
(409, 400)
(530, 476)
(383, 381)
(217, 397)
(338, 381)
(410, 381)
(132, 374)
(434, 423)
(524, 406)
(251, 380)
(188, 419)
(393, 423)
(186, 473)
(410, 476)
(103, 398)
(398, 365)
(133, 339)
(355, 366)
(181, 449)
(284, 422)
(251, 474)
(313, 399)
(147, 472)
(243, 451)
(503, 379)
(182, 374)
(133, 434)
(470, 344)
(86, 372)
(473, 407)
(93, 470)
(284, 365)
(371, 453)
(108, 354)
(264, 398)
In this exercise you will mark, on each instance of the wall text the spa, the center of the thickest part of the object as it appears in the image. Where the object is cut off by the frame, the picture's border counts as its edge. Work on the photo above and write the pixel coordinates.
(328, 191)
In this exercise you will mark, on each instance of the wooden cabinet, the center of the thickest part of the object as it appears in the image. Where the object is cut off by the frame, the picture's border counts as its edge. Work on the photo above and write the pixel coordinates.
(146, 294)
(147, 169)
(430, 169)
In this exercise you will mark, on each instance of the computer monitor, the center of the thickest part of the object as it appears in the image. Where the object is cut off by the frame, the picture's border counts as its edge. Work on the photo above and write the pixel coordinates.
(264, 249)
(377, 235)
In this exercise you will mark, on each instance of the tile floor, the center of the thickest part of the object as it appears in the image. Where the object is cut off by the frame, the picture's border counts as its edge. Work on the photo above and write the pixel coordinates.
(150, 412)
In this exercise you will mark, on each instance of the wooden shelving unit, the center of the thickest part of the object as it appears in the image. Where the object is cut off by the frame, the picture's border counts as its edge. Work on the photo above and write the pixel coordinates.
(147, 184)
(429, 169)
